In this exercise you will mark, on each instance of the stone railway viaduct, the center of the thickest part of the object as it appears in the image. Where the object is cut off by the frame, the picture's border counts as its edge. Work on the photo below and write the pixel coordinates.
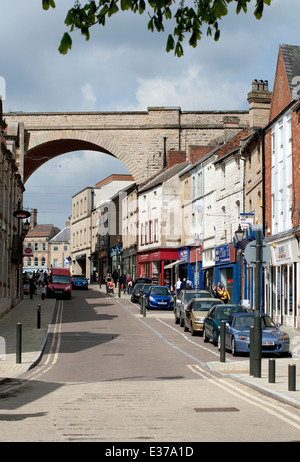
(138, 139)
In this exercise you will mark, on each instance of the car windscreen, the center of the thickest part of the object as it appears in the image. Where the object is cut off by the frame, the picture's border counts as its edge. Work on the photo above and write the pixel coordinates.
(248, 321)
(160, 291)
(78, 276)
(203, 306)
(60, 279)
(224, 312)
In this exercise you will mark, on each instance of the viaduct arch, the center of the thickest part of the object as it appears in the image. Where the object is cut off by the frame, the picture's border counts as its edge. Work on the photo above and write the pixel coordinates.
(138, 139)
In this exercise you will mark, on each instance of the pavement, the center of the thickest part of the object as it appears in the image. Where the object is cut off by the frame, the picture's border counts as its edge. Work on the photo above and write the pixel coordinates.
(34, 339)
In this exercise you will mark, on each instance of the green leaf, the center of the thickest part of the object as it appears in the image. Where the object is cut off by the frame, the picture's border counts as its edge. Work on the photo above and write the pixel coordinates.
(65, 44)
(170, 43)
(47, 3)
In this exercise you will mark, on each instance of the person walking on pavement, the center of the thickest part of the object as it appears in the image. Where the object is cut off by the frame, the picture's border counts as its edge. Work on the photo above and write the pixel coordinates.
(32, 287)
(178, 286)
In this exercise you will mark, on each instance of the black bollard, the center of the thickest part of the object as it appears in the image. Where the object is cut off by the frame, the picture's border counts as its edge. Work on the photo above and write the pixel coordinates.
(38, 320)
(251, 350)
(19, 344)
(292, 377)
(271, 370)
(222, 341)
(257, 340)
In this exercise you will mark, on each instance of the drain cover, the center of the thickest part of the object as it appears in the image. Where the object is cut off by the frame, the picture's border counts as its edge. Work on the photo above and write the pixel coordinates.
(216, 409)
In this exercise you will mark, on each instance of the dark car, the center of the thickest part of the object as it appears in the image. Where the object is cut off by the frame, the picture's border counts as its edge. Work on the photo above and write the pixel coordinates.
(135, 294)
(212, 322)
(184, 297)
(79, 281)
(144, 290)
(144, 280)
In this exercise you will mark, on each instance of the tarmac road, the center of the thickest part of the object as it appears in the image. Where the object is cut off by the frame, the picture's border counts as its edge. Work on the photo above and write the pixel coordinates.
(109, 374)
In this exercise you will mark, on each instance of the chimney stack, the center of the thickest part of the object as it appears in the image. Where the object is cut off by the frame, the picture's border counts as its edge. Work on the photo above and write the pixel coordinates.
(259, 100)
(33, 218)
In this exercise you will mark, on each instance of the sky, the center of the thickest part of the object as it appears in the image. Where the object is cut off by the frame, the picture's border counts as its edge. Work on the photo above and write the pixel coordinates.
(124, 67)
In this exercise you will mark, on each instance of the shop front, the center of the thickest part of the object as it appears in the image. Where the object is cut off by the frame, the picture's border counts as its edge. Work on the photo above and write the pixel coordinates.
(282, 280)
(196, 275)
(227, 271)
(152, 264)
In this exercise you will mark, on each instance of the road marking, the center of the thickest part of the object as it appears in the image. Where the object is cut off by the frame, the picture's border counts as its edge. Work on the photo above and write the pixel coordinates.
(248, 397)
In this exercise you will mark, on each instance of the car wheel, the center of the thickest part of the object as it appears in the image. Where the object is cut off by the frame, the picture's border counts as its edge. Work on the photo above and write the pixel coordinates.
(233, 347)
(205, 338)
(193, 332)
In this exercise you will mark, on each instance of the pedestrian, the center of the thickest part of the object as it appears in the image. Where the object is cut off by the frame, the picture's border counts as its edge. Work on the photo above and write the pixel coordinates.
(189, 284)
(224, 295)
(178, 286)
(183, 284)
(43, 292)
(32, 287)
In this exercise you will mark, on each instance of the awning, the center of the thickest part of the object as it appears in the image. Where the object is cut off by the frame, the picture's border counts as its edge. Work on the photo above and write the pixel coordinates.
(175, 263)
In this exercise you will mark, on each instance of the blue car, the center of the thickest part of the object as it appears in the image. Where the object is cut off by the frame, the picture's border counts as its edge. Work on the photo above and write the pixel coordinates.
(237, 337)
(159, 297)
(79, 281)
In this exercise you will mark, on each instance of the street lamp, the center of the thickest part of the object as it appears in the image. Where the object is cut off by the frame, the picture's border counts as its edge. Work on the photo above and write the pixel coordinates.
(197, 241)
(239, 236)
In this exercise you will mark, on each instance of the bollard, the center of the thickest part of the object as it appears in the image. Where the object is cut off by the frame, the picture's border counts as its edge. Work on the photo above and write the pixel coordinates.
(119, 289)
(222, 341)
(19, 344)
(144, 307)
(38, 320)
(251, 350)
(257, 337)
(271, 370)
(292, 377)
(141, 305)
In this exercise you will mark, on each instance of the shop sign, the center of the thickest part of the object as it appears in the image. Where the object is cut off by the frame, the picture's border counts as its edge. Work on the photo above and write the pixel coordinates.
(222, 255)
(183, 254)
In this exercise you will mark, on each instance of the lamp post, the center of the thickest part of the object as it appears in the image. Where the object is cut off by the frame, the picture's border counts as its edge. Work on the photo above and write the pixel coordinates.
(239, 236)
(197, 241)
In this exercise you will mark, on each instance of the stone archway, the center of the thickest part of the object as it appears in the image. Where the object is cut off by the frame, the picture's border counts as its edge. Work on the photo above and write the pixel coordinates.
(138, 139)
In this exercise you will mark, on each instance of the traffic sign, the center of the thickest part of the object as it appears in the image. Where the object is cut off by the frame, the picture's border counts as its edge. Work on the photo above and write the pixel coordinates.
(250, 253)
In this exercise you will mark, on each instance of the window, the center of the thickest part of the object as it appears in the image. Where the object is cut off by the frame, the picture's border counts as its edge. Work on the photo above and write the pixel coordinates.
(156, 230)
(36, 246)
(43, 261)
(43, 246)
(36, 261)
(142, 233)
(55, 248)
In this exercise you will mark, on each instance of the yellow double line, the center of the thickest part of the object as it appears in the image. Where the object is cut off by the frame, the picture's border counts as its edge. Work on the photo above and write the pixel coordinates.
(228, 386)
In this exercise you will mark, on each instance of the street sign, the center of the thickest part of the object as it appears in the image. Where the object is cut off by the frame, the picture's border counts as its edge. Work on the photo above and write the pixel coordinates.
(27, 252)
(250, 253)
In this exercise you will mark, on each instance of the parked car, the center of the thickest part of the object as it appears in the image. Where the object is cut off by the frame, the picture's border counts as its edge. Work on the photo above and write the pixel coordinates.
(184, 297)
(196, 311)
(159, 297)
(135, 294)
(79, 281)
(212, 322)
(144, 290)
(144, 280)
(237, 336)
